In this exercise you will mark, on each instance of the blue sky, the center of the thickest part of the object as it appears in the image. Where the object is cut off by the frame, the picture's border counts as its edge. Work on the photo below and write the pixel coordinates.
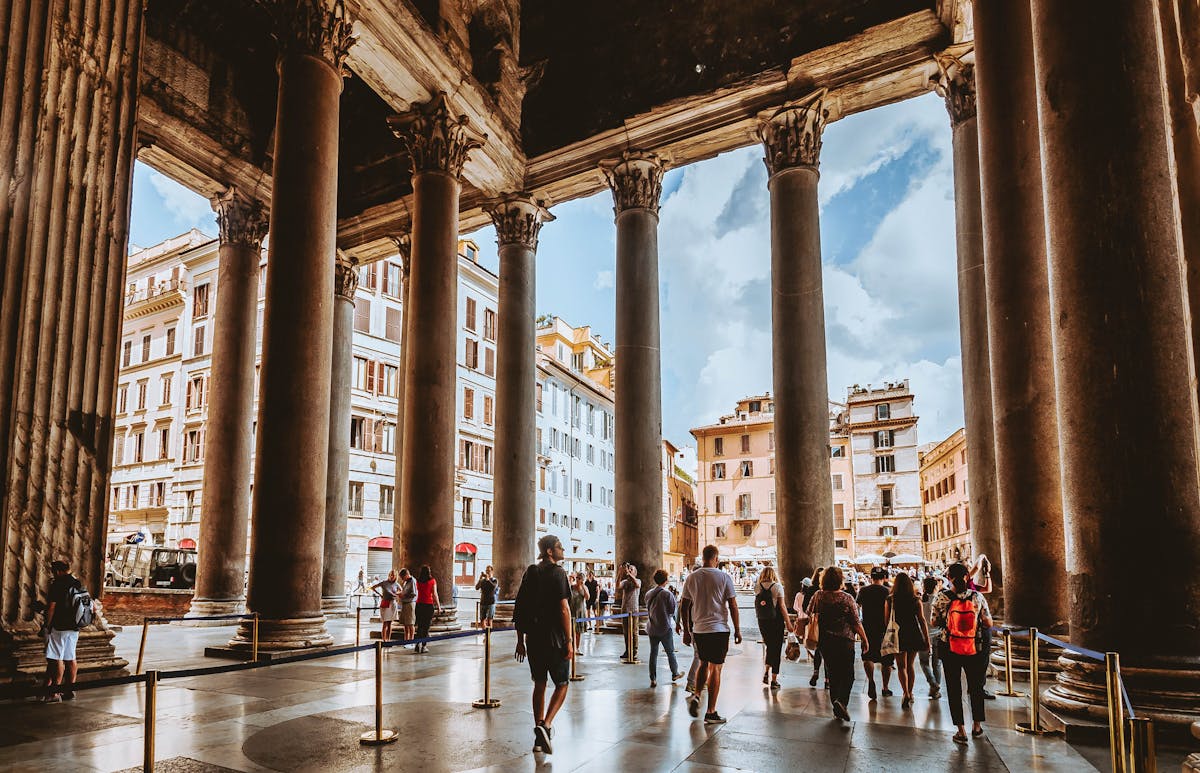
(887, 232)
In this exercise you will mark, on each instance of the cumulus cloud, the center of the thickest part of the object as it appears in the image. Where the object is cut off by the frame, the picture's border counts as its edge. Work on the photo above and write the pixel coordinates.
(189, 209)
(604, 280)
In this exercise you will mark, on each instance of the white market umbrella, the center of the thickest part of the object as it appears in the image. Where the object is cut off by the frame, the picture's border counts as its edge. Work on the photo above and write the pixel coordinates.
(868, 558)
(906, 558)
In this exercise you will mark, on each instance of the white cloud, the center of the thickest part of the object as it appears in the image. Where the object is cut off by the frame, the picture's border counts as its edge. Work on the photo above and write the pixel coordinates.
(604, 280)
(189, 209)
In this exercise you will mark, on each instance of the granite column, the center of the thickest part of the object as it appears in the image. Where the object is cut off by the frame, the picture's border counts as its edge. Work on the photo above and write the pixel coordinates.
(791, 138)
(636, 182)
(518, 218)
(1123, 357)
(225, 496)
(404, 252)
(292, 459)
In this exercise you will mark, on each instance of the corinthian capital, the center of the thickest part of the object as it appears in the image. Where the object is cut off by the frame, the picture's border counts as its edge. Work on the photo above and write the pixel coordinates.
(314, 27)
(241, 220)
(345, 276)
(791, 136)
(518, 218)
(636, 180)
(955, 81)
(436, 139)
(403, 244)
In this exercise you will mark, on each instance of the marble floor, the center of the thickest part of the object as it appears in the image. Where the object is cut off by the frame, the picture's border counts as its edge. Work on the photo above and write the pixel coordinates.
(308, 717)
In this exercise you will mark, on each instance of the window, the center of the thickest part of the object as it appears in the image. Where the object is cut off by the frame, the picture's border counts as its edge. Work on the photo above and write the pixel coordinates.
(577, 362)
(355, 504)
(539, 398)
(839, 516)
(362, 315)
(837, 452)
(591, 525)
(771, 500)
(885, 463)
(722, 531)
(770, 441)
(146, 348)
(193, 446)
(719, 503)
(591, 454)
(745, 444)
(771, 466)
(743, 506)
(143, 386)
(166, 389)
(366, 276)
(591, 419)
(952, 486)
(468, 516)
(198, 341)
(189, 506)
(839, 543)
(126, 354)
(489, 325)
(718, 446)
(358, 433)
(489, 361)
(164, 442)
(170, 341)
(485, 515)
(468, 403)
(116, 498)
(387, 496)
(387, 437)
(200, 302)
(883, 411)
(139, 446)
(589, 492)
(470, 323)
(578, 489)
(119, 448)
(887, 531)
(122, 397)
(262, 281)
(747, 529)
(391, 279)
(195, 392)
(488, 409)
(135, 495)
(837, 481)
(542, 516)
(362, 373)
(554, 519)
(885, 438)
(158, 494)
(472, 354)
(391, 324)
(389, 381)
(718, 471)
(746, 469)
(755, 406)
(541, 477)
(885, 500)
(773, 532)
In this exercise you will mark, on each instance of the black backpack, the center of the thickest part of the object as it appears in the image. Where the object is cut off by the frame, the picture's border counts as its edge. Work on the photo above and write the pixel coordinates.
(765, 607)
(81, 606)
(525, 606)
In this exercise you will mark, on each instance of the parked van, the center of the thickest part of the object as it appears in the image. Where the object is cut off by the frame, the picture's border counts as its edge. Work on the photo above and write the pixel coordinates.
(147, 566)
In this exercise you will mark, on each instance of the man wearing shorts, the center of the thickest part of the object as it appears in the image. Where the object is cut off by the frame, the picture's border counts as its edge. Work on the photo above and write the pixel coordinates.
(62, 634)
(709, 600)
(545, 634)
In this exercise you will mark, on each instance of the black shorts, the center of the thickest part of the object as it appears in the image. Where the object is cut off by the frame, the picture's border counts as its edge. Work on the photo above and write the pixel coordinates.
(712, 647)
(548, 663)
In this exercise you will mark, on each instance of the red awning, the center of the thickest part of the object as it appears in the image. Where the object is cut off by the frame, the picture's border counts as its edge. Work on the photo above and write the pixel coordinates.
(464, 547)
(384, 543)
(187, 544)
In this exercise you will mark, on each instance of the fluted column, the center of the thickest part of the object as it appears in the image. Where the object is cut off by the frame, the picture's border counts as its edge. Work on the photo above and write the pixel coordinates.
(1123, 359)
(438, 142)
(636, 182)
(518, 218)
(956, 83)
(404, 251)
(1025, 423)
(333, 569)
(791, 138)
(225, 495)
(292, 459)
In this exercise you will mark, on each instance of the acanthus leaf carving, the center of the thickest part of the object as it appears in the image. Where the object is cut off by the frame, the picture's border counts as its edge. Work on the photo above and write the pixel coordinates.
(791, 136)
(241, 220)
(518, 218)
(345, 276)
(313, 27)
(955, 82)
(636, 180)
(436, 139)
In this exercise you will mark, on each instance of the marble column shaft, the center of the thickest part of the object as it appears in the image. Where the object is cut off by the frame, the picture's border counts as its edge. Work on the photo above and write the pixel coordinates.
(1029, 492)
(518, 219)
(636, 182)
(803, 496)
(438, 143)
(291, 463)
(337, 485)
(225, 494)
(957, 85)
(404, 249)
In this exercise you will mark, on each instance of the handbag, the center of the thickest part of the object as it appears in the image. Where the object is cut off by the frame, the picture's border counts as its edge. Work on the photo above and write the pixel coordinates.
(812, 634)
(891, 637)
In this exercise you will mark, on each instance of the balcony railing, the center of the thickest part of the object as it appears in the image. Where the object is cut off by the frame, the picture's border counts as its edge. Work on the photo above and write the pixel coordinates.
(154, 291)
(744, 514)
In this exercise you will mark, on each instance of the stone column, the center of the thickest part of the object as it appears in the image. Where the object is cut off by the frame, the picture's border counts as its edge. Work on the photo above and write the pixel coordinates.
(333, 569)
(518, 217)
(404, 251)
(1019, 322)
(1122, 356)
(791, 138)
(292, 459)
(956, 83)
(636, 182)
(438, 143)
(225, 497)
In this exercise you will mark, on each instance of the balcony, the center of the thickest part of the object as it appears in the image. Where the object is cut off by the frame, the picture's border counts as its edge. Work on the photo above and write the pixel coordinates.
(149, 300)
(745, 516)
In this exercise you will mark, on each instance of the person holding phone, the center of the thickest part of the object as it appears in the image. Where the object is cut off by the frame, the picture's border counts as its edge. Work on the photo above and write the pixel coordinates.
(542, 616)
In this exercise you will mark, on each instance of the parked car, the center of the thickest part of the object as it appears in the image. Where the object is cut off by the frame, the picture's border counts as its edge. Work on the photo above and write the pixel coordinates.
(147, 566)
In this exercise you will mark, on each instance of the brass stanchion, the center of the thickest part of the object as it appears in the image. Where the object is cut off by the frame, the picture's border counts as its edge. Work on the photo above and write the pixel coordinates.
(142, 646)
(487, 701)
(1009, 692)
(575, 675)
(358, 624)
(148, 730)
(254, 640)
(1142, 757)
(378, 736)
(1034, 725)
(1116, 711)
(630, 658)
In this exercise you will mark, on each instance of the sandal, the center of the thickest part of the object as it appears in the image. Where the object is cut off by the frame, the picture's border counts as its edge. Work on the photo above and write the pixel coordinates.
(960, 738)
(977, 733)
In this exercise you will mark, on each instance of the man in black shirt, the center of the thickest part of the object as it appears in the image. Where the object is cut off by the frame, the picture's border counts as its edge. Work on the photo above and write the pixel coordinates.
(544, 633)
(593, 599)
(61, 632)
(871, 600)
(488, 587)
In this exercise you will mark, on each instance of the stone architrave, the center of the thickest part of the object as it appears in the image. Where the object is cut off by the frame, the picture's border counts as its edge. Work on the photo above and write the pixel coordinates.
(292, 458)
(333, 569)
(518, 218)
(956, 83)
(791, 138)
(1024, 419)
(1126, 378)
(636, 182)
(438, 142)
(225, 494)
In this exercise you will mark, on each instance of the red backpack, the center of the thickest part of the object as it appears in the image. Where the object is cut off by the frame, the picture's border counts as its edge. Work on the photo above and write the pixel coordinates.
(962, 623)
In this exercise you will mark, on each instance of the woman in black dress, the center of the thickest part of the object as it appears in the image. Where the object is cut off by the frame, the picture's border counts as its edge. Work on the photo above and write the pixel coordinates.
(905, 604)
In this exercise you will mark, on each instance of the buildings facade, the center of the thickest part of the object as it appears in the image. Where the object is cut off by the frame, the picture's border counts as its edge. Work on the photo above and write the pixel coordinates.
(681, 519)
(945, 509)
(883, 451)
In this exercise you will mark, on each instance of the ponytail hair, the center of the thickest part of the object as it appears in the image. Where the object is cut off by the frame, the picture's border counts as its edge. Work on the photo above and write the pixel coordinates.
(958, 577)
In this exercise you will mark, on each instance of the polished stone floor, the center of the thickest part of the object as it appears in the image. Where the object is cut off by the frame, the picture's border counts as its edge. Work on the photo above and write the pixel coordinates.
(308, 717)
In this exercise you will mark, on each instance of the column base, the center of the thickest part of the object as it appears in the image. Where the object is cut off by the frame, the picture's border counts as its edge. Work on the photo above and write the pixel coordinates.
(336, 606)
(23, 655)
(212, 607)
(445, 621)
(1166, 690)
(297, 633)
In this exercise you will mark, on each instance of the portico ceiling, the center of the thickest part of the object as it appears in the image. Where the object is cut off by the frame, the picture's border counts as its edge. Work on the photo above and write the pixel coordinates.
(556, 86)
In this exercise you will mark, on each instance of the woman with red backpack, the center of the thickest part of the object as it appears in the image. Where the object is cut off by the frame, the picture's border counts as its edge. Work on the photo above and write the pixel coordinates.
(960, 617)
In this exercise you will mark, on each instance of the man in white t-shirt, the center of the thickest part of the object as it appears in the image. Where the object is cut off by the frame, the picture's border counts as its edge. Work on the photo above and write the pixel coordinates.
(709, 600)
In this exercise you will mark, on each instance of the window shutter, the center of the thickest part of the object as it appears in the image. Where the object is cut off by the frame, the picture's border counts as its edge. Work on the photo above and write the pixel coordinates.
(392, 325)
(489, 361)
(462, 453)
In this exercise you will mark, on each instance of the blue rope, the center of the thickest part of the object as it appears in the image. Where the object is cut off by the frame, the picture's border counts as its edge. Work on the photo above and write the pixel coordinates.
(1072, 647)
